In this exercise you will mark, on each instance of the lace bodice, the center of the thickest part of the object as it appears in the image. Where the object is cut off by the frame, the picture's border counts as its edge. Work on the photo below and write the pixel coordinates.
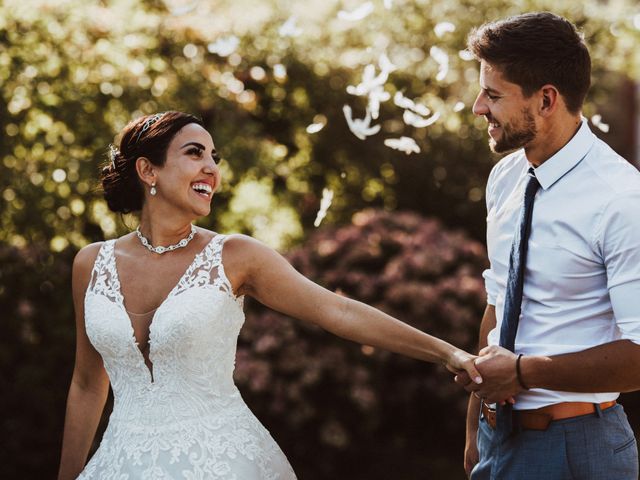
(189, 401)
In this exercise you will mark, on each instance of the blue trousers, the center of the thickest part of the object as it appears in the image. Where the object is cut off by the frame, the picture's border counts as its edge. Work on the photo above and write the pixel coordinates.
(599, 446)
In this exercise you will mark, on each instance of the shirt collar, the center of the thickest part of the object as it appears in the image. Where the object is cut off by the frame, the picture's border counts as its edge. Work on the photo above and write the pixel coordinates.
(567, 157)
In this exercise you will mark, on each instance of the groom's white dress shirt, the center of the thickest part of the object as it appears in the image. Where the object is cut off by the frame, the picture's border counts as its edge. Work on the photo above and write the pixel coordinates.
(582, 277)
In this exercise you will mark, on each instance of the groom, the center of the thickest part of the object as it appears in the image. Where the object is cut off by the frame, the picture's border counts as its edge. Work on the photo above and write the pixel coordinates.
(563, 234)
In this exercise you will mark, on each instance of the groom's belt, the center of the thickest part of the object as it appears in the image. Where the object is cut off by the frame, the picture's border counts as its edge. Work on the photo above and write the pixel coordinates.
(540, 418)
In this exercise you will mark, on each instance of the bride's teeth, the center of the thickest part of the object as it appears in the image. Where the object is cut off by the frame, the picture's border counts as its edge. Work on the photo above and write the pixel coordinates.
(202, 188)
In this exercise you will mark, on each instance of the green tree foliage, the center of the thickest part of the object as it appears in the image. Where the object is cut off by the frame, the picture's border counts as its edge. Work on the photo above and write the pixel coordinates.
(74, 72)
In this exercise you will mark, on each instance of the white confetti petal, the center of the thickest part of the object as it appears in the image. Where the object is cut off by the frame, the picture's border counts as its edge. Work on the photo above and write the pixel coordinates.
(636, 21)
(385, 64)
(315, 127)
(360, 126)
(289, 28)
(376, 96)
(405, 144)
(388, 4)
(442, 59)
(224, 46)
(418, 121)
(444, 27)
(363, 11)
(403, 102)
(459, 106)
(325, 203)
(597, 121)
(369, 81)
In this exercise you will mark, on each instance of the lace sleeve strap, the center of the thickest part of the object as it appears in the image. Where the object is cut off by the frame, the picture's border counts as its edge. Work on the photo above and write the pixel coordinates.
(102, 275)
(222, 280)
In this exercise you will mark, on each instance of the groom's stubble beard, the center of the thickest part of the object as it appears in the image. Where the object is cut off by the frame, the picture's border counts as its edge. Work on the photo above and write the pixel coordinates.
(515, 136)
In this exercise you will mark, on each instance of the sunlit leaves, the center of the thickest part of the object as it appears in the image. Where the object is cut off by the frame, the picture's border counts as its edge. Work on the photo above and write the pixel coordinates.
(74, 73)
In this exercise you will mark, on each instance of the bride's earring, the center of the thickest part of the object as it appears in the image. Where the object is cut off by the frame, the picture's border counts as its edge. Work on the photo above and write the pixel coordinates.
(153, 190)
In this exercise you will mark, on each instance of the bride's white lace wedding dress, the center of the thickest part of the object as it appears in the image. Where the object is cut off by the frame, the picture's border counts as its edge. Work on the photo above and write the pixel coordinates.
(185, 418)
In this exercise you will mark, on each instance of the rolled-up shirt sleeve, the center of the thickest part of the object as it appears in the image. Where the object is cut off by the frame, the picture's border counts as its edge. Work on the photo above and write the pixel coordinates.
(620, 247)
(491, 286)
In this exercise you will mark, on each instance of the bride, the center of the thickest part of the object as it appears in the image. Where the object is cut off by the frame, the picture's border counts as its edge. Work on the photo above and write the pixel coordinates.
(158, 313)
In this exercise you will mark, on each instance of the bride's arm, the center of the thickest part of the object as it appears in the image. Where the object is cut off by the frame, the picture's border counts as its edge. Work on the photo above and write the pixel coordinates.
(262, 273)
(89, 384)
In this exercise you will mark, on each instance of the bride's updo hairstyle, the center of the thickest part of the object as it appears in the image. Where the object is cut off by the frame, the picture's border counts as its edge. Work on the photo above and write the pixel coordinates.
(149, 137)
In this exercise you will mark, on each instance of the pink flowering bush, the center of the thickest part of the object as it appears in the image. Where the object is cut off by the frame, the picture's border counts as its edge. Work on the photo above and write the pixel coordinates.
(342, 410)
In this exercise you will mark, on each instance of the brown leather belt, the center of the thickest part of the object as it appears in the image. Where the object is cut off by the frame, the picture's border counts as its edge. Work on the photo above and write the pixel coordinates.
(540, 418)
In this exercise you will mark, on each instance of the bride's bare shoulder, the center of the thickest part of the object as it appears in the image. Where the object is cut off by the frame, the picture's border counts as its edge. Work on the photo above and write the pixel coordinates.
(87, 255)
(242, 247)
(242, 255)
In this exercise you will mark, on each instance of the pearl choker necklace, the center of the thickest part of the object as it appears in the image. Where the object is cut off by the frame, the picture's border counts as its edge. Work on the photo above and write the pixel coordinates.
(159, 250)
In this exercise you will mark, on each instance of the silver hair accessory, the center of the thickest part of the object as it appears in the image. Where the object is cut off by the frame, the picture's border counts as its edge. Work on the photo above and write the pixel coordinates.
(113, 154)
(147, 124)
(160, 250)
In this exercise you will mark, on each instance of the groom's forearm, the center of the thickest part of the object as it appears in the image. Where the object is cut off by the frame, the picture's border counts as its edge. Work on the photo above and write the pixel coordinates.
(612, 367)
(486, 325)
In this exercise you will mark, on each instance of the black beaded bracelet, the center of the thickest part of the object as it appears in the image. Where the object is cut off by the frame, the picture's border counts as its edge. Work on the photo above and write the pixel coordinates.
(519, 373)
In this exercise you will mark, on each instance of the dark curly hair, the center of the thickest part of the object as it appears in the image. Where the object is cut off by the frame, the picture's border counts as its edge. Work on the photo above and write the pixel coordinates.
(148, 136)
(535, 49)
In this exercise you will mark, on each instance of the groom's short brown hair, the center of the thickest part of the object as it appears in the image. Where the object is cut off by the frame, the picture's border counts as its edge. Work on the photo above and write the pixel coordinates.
(535, 49)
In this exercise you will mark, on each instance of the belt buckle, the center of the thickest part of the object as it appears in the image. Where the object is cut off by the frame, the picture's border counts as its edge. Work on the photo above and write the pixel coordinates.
(489, 414)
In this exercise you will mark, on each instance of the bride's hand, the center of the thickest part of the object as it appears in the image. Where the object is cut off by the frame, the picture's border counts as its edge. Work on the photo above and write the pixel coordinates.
(460, 361)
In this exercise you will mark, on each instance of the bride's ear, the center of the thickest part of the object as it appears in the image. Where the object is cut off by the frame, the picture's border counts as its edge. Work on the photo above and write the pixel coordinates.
(146, 170)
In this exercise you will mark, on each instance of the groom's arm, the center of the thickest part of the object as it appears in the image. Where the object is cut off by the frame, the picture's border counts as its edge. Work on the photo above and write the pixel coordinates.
(471, 456)
(611, 367)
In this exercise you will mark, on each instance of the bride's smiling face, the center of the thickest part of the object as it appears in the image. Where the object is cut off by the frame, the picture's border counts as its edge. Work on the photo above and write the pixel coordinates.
(190, 174)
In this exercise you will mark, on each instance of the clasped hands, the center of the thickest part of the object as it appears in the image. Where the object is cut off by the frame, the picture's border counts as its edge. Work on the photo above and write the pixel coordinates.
(500, 384)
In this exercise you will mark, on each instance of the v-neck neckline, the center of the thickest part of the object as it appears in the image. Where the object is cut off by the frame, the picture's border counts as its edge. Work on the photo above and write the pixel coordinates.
(118, 287)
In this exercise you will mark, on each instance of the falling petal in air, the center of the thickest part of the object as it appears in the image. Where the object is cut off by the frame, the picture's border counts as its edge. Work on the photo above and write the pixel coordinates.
(369, 81)
(360, 13)
(360, 126)
(597, 121)
(388, 4)
(405, 144)
(418, 121)
(315, 127)
(224, 46)
(325, 203)
(458, 107)
(376, 96)
(442, 59)
(289, 28)
(444, 27)
(385, 64)
(403, 102)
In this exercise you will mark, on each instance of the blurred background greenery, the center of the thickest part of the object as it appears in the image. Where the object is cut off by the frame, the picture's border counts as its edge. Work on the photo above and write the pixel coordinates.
(404, 232)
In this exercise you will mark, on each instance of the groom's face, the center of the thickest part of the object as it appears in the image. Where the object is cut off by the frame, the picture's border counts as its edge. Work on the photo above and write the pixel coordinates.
(508, 111)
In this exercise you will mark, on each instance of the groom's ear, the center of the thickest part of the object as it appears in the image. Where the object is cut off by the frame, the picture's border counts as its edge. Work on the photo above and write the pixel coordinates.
(549, 99)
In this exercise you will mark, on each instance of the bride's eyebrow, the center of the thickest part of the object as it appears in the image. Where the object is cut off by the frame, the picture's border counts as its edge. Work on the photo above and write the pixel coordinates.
(196, 144)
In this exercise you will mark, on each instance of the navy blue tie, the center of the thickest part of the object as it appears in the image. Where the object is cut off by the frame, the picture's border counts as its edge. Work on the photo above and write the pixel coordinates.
(513, 297)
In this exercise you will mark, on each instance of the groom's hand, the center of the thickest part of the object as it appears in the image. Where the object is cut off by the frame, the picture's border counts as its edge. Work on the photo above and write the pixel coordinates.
(497, 366)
